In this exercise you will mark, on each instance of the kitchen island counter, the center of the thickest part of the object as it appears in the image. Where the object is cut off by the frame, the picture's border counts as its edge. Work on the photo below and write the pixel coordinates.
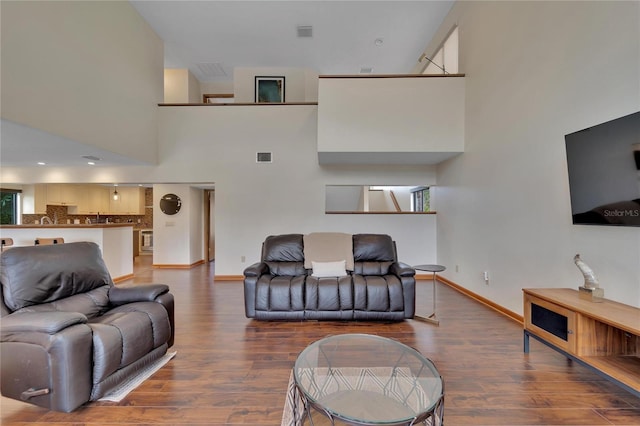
(64, 226)
(114, 239)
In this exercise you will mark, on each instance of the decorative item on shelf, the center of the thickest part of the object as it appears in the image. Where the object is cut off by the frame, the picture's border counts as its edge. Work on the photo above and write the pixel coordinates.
(269, 89)
(591, 289)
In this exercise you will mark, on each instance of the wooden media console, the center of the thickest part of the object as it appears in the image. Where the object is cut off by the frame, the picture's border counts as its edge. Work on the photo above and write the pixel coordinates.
(604, 336)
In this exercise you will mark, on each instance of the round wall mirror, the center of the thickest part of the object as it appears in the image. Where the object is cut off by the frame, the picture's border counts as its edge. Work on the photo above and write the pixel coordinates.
(170, 204)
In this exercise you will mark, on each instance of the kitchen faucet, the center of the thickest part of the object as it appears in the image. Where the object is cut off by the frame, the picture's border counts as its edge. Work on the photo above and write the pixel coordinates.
(45, 218)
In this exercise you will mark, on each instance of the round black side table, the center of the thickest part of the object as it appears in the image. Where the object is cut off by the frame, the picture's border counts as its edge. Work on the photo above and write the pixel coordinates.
(433, 269)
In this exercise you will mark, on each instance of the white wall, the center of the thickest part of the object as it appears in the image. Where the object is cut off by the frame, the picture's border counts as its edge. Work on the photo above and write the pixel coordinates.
(89, 71)
(536, 71)
(178, 238)
(195, 95)
(181, 86)
(219, 87)
(287, 196)
(215, 145)
(387, 115)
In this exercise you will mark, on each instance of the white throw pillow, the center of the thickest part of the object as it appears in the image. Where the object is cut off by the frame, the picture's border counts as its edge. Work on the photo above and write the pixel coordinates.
(329, 269)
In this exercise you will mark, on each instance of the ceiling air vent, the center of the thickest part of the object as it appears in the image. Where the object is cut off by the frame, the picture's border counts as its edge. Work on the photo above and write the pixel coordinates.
(264, 157)
(305, 31)
(211, 69)
(366, 70)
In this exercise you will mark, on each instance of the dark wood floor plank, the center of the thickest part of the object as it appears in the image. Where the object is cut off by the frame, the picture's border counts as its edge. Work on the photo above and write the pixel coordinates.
(230, 370)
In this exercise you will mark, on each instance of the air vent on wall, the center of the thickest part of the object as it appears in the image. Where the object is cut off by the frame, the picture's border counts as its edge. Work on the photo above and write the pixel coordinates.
(366, 70)
(263, 157)
(305, 31)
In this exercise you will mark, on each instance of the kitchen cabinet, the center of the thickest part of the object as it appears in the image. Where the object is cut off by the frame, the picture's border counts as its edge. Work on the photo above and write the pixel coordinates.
(62, 194)
(130, 201)
(92, 199)
(89, 199)
(40, 198)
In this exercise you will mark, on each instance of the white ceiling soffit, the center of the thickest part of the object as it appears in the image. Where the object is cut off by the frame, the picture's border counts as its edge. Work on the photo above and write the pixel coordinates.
(24, 146)
(231, 34)
(396, 158)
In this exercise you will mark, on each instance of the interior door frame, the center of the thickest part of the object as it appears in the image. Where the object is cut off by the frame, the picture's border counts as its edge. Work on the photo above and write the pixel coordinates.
(209, 218)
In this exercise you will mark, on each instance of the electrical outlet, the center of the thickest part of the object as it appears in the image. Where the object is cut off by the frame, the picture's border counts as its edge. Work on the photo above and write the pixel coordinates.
(457, 268)
(242, 259)
(486, 277)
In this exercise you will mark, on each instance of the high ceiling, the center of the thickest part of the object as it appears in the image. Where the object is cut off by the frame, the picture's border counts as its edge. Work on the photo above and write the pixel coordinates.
(211, 38)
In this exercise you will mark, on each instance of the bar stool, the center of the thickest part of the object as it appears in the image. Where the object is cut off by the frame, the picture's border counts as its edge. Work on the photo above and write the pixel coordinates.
(6, 242)
(433, 269)
(48, 241)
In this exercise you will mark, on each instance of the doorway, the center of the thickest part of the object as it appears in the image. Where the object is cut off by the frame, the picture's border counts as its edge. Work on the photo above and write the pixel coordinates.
(209, 224)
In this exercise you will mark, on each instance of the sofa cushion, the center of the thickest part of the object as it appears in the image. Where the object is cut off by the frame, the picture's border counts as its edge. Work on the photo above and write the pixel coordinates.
(91, 304)
(372, 268)
(125, 334)
(329, 294)
(328, 247)
(329, 269)
(43, 274)
(281, 293)
(288, 269)
(283, 248)
(378, 293)
(373, 247)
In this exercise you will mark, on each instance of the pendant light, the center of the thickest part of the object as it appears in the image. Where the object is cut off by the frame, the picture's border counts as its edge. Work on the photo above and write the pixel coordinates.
(116, 196)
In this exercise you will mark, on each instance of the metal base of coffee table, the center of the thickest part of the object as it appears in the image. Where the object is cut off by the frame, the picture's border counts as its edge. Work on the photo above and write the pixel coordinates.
(364, 380)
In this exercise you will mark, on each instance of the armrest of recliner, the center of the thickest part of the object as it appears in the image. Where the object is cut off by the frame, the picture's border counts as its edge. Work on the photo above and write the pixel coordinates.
(119, 295)
(39, 322)
(257, 269)
(402, 270)
(47, 358)
(251, 275)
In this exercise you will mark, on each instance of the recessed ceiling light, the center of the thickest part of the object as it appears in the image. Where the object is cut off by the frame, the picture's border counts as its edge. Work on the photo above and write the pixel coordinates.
(91, 163)
(41, 163)
(378, 42)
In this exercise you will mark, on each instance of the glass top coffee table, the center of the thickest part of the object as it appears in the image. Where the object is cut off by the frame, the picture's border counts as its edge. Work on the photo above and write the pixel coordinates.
(362, 379)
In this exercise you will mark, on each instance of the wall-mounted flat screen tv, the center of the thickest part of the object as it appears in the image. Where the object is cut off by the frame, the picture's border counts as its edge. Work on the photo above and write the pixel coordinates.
(604, 173)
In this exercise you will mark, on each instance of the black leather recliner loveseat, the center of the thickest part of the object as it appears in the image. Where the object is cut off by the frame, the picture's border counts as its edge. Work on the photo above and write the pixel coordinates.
(281, 288)
(68, 335)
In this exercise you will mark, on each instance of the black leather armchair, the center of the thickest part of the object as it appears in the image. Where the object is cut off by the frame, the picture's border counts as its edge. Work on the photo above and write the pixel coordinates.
(280, 288)
(68, 335)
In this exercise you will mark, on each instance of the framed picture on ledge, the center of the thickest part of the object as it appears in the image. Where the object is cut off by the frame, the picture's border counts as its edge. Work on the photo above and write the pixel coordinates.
(269, 89)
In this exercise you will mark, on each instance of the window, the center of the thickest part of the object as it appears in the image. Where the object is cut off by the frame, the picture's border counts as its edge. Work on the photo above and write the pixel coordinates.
(420, 199)
(445, 60)
(377, 199)
(9, 206)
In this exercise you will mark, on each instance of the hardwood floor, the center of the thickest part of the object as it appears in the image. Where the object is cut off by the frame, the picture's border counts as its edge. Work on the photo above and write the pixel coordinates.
(230, 370)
